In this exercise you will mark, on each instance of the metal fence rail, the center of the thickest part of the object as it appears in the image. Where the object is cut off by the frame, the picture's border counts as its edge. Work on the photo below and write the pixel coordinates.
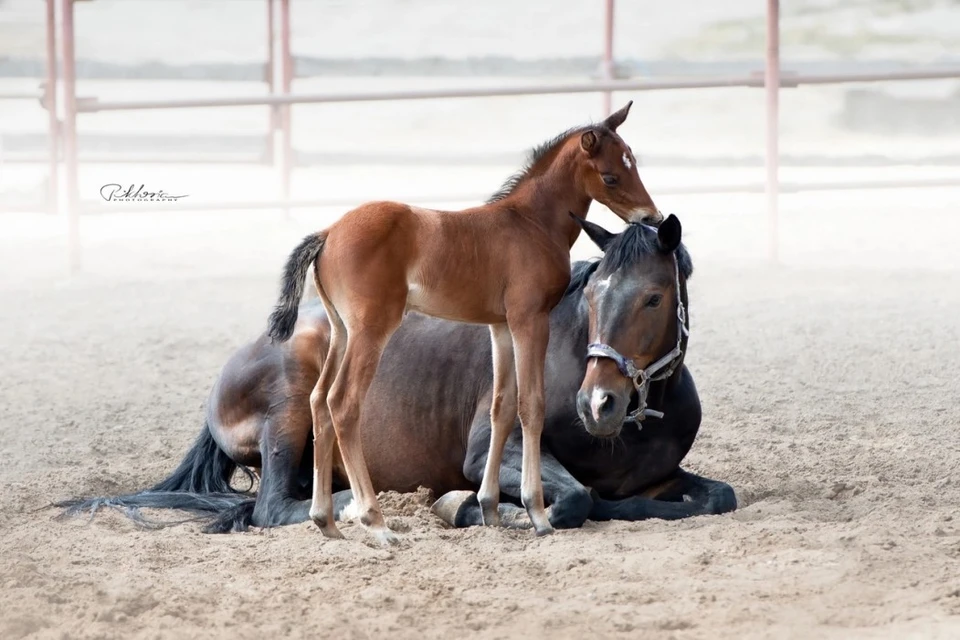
(607, 86)
(280, 99)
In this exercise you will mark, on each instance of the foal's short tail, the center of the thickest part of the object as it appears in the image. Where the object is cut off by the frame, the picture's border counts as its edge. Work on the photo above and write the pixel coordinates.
(284, 316)
(200, 484)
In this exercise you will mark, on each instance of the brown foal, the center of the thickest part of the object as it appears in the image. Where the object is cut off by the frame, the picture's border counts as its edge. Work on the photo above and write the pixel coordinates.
(505, 264)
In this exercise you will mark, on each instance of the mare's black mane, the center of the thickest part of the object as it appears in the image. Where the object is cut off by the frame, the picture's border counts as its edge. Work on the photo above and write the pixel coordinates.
(625, 250)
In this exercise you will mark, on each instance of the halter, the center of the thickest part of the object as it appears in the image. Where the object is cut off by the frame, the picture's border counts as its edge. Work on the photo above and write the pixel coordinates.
(659, 370)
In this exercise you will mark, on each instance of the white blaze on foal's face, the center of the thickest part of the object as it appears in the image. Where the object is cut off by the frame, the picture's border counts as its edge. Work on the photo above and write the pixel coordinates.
(626, 161)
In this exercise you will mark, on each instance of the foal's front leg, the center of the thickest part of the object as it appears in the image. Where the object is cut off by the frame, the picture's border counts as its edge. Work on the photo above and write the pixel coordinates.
(531, 332)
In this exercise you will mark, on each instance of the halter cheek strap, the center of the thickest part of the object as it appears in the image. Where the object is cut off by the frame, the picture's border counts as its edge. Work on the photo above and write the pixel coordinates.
(659, 370)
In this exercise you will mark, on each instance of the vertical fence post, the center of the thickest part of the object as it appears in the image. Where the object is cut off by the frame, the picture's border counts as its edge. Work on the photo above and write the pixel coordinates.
(606, 67)
(286, 159)
(772, 86)
(270, 77)
(53, 124)
(72, 198)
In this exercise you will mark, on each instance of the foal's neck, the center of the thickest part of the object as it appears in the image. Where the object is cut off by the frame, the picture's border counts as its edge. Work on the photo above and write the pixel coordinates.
(550, 196)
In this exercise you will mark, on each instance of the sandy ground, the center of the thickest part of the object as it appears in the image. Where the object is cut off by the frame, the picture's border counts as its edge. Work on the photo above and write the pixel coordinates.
(829, 386)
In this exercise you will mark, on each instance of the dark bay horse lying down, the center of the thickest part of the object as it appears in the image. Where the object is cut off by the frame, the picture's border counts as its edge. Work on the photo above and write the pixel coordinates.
(427, 419)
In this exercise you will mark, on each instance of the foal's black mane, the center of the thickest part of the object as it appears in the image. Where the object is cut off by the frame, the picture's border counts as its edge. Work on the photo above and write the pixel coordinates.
(537, 154)
(625, 250)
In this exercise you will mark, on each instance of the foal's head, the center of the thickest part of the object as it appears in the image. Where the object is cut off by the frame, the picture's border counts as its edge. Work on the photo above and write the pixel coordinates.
(602, 165)
(636, 321)
(608, 171)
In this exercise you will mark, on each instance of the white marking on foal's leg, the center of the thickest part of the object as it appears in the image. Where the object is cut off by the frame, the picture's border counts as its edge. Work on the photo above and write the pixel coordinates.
(350, 512)
(626, 161)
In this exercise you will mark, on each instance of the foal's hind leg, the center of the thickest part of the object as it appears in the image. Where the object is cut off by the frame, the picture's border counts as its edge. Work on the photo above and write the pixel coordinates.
(360, 361)
(324, 436)
(503, 415)
(531, 333)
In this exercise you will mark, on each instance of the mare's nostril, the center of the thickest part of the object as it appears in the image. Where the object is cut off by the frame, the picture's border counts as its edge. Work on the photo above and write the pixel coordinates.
(602, 403)
(583, 404)
(608, 403)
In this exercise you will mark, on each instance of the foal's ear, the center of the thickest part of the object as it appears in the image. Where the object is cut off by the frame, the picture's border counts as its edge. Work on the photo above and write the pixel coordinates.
(589, 142)
(668, 234)
(600, 236)
(616, 119)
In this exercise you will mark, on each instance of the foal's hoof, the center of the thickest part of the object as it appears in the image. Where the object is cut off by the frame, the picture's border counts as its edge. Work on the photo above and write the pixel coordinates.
(490, 518)
(454, 507)
(328, 529)
(385, 537)
(543, 531)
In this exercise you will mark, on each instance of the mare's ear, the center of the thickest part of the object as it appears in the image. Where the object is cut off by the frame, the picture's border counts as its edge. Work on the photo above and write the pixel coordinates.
(616, 119)
(600, 236)
(589, 142)
(668, 234)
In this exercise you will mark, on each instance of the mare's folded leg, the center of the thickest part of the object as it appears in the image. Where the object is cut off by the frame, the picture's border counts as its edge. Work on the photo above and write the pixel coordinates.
(279, 498)
(682, 495)
(282, 445)
(282, 511)
(462, 509)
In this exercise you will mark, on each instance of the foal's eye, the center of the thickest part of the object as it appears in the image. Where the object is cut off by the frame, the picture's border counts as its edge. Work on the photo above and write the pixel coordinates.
(654, 300)
(610, 180)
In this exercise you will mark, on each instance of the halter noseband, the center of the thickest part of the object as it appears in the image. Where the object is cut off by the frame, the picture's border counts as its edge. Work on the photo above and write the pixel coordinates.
(659, 370)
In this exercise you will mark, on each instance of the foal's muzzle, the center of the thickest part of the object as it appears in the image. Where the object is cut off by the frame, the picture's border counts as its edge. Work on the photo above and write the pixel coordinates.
(646, 215)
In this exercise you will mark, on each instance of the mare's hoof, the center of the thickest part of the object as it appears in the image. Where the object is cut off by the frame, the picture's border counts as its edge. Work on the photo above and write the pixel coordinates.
(454, 507)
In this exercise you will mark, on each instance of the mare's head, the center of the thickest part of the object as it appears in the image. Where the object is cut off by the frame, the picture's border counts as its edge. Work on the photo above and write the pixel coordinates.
(636, 309)
(607, 171)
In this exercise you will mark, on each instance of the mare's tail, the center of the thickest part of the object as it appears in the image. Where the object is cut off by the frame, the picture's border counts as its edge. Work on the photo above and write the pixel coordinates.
(200, 485)
(284, 316)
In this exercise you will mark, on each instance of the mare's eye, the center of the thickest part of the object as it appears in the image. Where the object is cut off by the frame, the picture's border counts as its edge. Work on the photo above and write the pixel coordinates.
(654, 300)
(610, 180)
